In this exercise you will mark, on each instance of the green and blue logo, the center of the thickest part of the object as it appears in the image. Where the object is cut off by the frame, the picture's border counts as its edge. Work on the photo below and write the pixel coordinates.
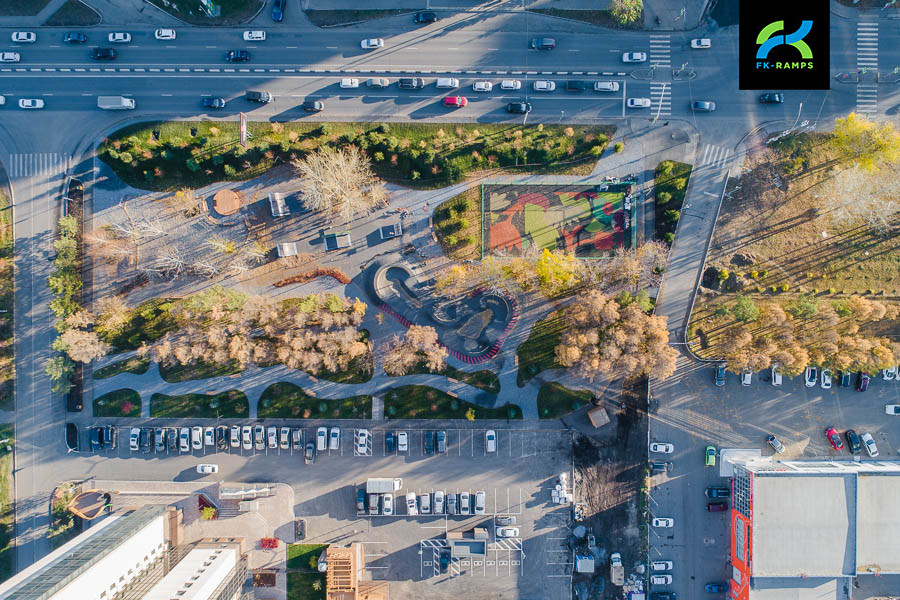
(767, 40)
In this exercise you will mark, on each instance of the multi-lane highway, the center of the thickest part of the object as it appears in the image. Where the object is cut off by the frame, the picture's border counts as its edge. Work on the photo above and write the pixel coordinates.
(168, 79)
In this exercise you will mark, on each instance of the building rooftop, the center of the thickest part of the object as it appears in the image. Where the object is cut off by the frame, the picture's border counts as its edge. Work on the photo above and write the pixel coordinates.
(803, 525)
(877, 525)
(814, 588)
(197, 575)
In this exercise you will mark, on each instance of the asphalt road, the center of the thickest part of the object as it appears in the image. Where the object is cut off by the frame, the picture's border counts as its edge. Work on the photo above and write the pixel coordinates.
(168, 78)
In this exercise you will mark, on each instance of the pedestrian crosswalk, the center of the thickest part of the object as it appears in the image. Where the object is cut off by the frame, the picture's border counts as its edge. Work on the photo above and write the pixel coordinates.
(661, 98)
(866, 61)
(660, 51)
(40, 163)
(714, 156)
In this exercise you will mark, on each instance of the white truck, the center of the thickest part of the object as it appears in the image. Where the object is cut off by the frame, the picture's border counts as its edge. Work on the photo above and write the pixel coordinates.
(115, 103)
(383, 485)
(616, 571)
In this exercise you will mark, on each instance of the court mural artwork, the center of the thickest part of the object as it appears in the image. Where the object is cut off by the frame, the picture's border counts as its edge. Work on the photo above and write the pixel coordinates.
(590, 220)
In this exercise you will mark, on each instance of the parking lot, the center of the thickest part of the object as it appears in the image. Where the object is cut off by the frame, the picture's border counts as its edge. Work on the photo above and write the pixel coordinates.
(691, 412)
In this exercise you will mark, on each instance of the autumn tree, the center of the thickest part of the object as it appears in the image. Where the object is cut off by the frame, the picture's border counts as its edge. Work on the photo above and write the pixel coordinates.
(745, 309)
(856, 195)
(339, 182)
(626, 12)
(418, 345)
(866, 143)
(557, 272)
(601, 337)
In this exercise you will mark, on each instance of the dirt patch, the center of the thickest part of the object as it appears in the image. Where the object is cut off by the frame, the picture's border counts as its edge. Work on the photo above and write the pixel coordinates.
(310, 275)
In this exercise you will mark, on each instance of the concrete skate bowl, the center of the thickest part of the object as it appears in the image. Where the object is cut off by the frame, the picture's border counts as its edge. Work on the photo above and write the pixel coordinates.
(89, 505)
(472, 327)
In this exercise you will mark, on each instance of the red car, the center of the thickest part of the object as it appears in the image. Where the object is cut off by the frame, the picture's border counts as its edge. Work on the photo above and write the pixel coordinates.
(835, 439)
(456, 101)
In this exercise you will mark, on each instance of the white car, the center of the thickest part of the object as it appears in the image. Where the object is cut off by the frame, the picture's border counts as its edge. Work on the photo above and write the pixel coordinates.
(387, 504)
(206, 469)
(235, 436)
(378, 82)
(439, 502)
(508, 532)
(479, 503)
(776, 374)
(134, 439)
(606, 86)
(510, 84)
(638, 103)
(661, 579)
(335, 438)
(24, 37)
(31, 103)
(826, 379)
(482, 86)
(402, 442)
(9, 57)
(272, 436)
(322, 439)
(543, 85)
(209, 436)
(505, 520)
(700, 43)
(869, 444)
(811, 376)
(490, 440)
(197, 438)
(892, 409)
(254, 36)
(425, 504)
(372, 44)
(165, 34)
(464, 503)
(634, 57)
(362, 441)
(746, 376)
(661, 565)
(247, 437)
(350, 83)
(259, 437)
(889, 374)
(184, 439)
(663, 522)
(411, 508)
(119, 37)
(662, 448)
(284, 438)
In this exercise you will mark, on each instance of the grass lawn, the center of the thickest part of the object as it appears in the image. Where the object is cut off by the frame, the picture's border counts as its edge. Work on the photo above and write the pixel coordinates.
(457, 225)
(594, 17)
(537, 353)
(483, 380)
(670, 176)
(73, 14)
(325, 18)
(234, 12)
(227, 405)
(148, 322)
(175, 373)
(423, 402)
(555, 400)
(300, 586)
(7, 516)
(7, 290)
(118, 403)
(21, 8)
(135, 365)
(298, 555)
(422, 155)
(284, 400)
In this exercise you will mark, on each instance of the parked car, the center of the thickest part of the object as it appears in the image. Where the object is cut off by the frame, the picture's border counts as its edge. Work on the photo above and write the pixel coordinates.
(710, 454)
(441, 441)
(259, 437)
(490, 441)
(638, 103)
(278, 7)
(425, 17)
(720, 374)
(360, 500)
(96, 439)
(482, 86)
(402, 441)
(701, 43)
(217, 103)
(310, 456)
(160, 437)
(862, 381)
(518, 108)
(606, 86)
(663, 596)
(776, 445)
(510, 84)
(372, 44)
(746, 376)
(425, 504)
(544, 85)
(297, 439)
(207, 469)
(23, 37)
(771, 98)
(845, 378)
(716, 506)
(660, 466)
(634, 57)
(506, 520)
(247, 437)
(718, 492)
(373, 504)
(411, 508)
(119, 37)
(334, 440)
(661, 565)
(662, 448)
(378, 82)
(575, 85)
(834, 439)
(853, 444)
(197, 438)
(221, 437)
(811, 376)
(146, 439)
(452, 506)
(456, 101)
(663, 522)
(184, 439)
(103, 53)
(776, 374)
(439, 502)
(322, 439)
(209, 438)
(703, 106)
(429, 442)
(543, 43)
(889, 374)
(715, 588)
(387, 504)
(254, 36)
(272, 436)
(165, 34)
(284, 438)
(479, 502)
(825, 381)
(665, 579)
(235, 436)
(410, 83)
(134, 439)
(237, 56)
(465, 503)
(350, 83)
(508, 532)
(892, 409)
(869, 444)
(362, 441)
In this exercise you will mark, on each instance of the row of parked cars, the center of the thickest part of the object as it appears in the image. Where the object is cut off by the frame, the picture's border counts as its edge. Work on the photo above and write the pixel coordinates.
(812, 376)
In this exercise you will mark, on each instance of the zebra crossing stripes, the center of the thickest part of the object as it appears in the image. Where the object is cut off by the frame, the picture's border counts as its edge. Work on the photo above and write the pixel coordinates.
(660, 51)
(867, 45)
(661, 99)
(866, 98)
(42, 163)
(714, 156)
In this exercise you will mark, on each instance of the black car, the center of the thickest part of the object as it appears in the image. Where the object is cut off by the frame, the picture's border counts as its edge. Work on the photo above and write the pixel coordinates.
(160, 437)
(703, 106)
(74, 37)
(519, 108)
(389, 441)
(172, 435)
(110, 437)
(146, 439)
(96, 438)
(664, 596)
(237, 56)
(575, 85)
(256, 96)
(103, 53)
(852, 441)
(278, 10)
(221, 437)
(543, 43)
(360, 500)
(660, 467)
(845, 378)
(718, 492)
(313, 106)
(425, 17)
(410, 83)
(862, 381)
(771, 98)
(429, 442)
(213, 103)
(72, 437)
(442, 441)
(310, 457)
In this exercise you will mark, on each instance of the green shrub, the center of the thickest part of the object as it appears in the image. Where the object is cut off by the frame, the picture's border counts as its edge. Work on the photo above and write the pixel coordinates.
(665, 167)
(378, 156)
(414, 175)
(619, 147)
(126, 157)
(451, 240)
(831, 290)
(680, 183)
(663, 197)
(765, 272)
(724, 274)
(669, 237)
(596, 151)
(722, 311)
(230, 171)
(785, 287)
(601, 138)
(672, 215)
(754, 275)
(193, 165)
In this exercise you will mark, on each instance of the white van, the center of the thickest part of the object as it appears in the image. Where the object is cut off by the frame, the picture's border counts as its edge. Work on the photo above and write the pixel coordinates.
(446, 83)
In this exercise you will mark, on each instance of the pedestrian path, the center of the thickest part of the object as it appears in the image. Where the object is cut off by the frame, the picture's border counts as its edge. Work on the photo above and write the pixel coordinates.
(866, 60)
(40, 163)
(714, 156)
(660, 51)
(661, 99)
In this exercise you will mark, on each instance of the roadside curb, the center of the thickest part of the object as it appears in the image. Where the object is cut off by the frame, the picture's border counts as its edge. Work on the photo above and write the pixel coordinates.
(86, 5)
(211, 25)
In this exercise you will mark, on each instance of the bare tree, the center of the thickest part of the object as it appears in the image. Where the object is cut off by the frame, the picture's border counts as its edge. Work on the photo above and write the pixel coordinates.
(858, 195)
(204, 268)
(170, 261)
(339, 182)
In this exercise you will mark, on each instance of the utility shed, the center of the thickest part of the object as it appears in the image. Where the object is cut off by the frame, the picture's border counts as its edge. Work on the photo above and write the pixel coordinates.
(584, 564)
(278, 205)
(598, 416)
(286, 249)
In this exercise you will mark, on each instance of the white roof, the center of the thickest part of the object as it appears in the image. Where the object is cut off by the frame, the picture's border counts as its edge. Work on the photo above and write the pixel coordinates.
(210, 566)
